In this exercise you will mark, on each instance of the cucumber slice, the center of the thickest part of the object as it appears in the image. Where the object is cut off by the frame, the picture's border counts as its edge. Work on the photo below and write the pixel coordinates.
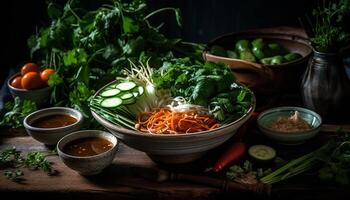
(110, 92)
(129, 101)
(111, 102)
(141, 90)
(126, 86)
(127, 96)
(262, 152)
(138, 91)
(113, 86)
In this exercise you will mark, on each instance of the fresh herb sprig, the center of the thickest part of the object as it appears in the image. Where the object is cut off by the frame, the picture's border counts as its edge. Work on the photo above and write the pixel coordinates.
(237, 171)
(12, 160)
(16, 111)
(327, 27)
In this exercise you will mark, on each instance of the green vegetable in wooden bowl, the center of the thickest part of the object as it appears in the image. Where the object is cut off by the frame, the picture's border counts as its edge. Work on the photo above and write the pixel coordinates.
(266, 60)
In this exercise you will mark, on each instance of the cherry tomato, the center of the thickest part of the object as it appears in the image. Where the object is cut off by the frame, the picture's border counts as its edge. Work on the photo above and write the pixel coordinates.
(32, 80)
(16, 82)
(46, 73)
(29, 67)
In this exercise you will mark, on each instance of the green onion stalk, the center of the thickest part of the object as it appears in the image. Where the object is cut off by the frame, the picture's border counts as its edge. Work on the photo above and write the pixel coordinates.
(293, 168)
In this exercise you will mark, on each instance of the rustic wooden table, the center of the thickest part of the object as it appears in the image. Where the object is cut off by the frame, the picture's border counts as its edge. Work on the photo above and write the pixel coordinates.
(119, 180)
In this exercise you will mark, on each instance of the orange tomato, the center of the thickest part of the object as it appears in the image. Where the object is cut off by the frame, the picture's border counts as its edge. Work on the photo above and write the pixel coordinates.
(32, 80)
(17, 82)
(29, 67)
(46, 73)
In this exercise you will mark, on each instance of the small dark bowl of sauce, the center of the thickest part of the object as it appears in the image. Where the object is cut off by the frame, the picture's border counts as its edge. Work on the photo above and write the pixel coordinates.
(49, 125)
(89, 151)
(54, 121)
(89, 146)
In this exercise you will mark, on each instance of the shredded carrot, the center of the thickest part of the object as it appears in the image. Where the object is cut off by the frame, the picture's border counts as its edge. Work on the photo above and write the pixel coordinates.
(165, 121)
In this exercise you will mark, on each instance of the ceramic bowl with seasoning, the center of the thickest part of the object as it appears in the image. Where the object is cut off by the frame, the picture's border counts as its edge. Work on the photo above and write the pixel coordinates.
(89, 151)
(49, 125)
(289, 125)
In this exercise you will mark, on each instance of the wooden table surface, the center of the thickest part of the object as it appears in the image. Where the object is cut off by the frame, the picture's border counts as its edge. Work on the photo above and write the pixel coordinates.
(119, 181)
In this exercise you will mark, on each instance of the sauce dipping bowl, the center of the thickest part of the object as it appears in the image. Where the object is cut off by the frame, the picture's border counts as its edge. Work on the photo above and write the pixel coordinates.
(289, 138)
(51, 136)
(88, 165)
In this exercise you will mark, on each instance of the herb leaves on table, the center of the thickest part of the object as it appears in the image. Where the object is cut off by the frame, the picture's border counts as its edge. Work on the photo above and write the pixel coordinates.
(12, 160)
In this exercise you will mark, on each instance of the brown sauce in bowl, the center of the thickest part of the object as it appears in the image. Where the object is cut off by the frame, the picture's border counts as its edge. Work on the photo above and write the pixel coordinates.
(293, 123)
(89, 146)
(54, 121)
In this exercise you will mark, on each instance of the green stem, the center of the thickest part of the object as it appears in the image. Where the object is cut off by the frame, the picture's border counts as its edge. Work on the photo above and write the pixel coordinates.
(287, 166)
(158, 11)
(118, 118)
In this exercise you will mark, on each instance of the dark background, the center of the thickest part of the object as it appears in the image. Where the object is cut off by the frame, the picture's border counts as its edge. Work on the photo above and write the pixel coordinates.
(203, 20)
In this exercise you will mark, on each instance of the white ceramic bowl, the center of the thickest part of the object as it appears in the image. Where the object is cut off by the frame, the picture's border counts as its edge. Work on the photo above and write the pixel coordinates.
(89, 165)
(51, 136)
(39, 96)
(179, 148)
(293, 138)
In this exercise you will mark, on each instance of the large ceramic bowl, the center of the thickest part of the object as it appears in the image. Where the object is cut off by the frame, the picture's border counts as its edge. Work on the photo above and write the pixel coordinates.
(291, 138)
(40, 96)
(267, 79)
(171, 149)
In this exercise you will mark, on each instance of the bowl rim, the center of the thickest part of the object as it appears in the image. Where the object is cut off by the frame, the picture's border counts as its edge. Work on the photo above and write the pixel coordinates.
(98, 134)
(288, 134)
(297, 61)
(109, 125)
(23, 90)
(77, 114)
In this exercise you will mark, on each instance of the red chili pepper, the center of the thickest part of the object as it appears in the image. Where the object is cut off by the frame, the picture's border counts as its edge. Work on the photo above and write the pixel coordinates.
(231, 155)
(235, 151)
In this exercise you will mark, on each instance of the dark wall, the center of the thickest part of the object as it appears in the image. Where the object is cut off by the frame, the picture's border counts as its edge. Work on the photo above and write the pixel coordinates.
(202, 20)
(206, 19)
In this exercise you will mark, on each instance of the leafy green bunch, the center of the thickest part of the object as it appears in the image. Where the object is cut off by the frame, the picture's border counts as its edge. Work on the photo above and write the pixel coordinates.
(207, 84)
(89, 47)
(329, 32)
(336, 158)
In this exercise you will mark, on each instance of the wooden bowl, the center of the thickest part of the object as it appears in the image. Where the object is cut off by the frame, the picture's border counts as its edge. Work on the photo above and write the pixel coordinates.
(266, 79)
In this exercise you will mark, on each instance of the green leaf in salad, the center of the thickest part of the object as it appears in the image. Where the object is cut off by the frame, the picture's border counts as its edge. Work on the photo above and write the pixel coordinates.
(129, 25)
